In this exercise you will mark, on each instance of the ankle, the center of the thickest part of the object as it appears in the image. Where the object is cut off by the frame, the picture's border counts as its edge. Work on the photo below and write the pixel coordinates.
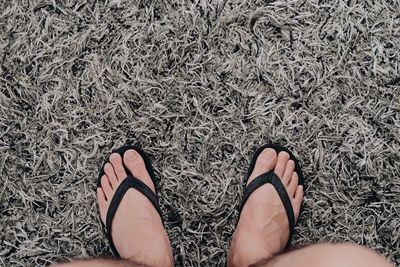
(157, 255)
(247, 258)
(153, 261)
(246, 254)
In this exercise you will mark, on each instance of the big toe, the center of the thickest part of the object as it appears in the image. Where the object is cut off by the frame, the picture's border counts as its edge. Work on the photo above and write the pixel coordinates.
(266, 162)
(136, 165)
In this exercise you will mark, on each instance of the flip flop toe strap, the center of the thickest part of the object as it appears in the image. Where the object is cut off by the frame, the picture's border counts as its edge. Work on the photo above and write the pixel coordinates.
(129, 182)
(272, 178)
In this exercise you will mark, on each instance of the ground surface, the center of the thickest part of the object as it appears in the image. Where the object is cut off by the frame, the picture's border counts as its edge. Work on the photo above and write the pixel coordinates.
(199, 85)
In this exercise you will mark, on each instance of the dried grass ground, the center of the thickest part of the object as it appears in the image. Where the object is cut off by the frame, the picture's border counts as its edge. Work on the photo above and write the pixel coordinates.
(199, 85)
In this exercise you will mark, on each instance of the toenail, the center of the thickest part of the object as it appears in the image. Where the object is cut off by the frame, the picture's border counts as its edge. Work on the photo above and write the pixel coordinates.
(284, 154)
(114, 156)
(269, 152)
(107, 166)
(131, 155)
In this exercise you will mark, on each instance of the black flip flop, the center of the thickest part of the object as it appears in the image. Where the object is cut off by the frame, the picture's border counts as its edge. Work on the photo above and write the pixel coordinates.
(129, 182)
(272, 178)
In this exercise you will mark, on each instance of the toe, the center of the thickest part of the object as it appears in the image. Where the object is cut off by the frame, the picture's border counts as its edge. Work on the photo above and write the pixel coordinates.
(265, 162)
(105, 185)
(288, 172)
(116, 162)
(280, 166)
(101, 199)
(109, 170)
(135, 164)
(294, 182)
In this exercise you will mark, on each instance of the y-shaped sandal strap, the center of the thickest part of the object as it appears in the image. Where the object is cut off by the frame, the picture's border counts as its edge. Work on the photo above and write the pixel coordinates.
(272, 178)
(129, 182)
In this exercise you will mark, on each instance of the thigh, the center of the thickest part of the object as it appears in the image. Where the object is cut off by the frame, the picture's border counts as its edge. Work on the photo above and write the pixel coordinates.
(328, 255)
(99, 263)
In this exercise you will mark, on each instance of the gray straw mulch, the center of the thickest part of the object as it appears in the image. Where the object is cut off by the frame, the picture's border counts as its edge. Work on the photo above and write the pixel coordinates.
(200, 85)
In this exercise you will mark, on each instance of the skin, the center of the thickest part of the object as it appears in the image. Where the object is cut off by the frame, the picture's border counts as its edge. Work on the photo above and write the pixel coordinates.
(263, 227)
(147, 244)
(261, 234)
(150, 230)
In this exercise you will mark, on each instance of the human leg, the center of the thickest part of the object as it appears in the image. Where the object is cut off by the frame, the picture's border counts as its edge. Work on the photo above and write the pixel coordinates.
(263, 230)
(99, 262)
(263, 227)
(137, 229)
(326, 255)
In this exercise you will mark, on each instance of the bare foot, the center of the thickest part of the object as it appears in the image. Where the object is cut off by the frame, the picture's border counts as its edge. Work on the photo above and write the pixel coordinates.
(263, 227)
(137, 230)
